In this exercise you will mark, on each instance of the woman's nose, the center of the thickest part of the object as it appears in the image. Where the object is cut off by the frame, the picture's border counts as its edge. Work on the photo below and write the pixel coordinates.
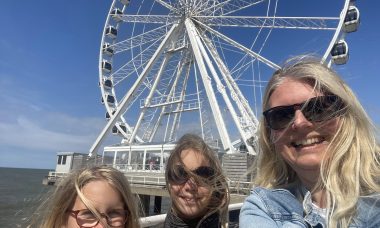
(300, 121)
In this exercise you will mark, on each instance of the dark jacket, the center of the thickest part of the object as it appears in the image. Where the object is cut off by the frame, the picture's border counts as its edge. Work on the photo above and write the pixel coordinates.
(211, 221)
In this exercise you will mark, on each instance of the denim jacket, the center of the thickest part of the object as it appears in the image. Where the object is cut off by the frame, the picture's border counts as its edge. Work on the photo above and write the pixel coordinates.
(266, 208)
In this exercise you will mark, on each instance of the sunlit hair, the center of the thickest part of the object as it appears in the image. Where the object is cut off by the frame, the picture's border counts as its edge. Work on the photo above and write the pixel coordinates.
(220, 196)
(350, 169)
(62, 200)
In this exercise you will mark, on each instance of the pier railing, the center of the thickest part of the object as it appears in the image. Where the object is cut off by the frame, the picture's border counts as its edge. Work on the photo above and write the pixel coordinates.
(146, 180)
(157, 168)
(53, 177)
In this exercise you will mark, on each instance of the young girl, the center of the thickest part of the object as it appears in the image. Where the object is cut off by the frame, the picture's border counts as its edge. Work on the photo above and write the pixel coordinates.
(92, 197)
(196, 185)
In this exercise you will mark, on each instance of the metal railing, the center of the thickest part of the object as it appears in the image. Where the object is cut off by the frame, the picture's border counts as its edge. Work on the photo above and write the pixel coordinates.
(56, 175)
(156, 168)
(239, 187)
(146, 180)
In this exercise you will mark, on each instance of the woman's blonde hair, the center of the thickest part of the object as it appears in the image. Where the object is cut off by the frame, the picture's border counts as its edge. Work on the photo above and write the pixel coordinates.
(220, 196)
(56, 207)
(351, 168)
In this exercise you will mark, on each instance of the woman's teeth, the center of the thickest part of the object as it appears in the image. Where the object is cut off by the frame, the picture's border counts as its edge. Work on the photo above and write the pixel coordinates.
(306, 142)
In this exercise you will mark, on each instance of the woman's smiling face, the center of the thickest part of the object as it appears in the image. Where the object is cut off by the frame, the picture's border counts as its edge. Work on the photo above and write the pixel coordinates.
(191, 199)
(303, 144)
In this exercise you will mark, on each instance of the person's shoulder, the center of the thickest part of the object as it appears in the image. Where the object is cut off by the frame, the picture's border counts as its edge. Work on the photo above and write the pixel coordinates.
(273, 194)
(279, 200)
(369, 203)
(271, 208)
(368, 210)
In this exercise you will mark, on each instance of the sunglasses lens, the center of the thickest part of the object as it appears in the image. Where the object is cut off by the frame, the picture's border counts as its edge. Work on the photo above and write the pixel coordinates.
(204, 171)
(323, 108)
(178, 175)
(279, 118)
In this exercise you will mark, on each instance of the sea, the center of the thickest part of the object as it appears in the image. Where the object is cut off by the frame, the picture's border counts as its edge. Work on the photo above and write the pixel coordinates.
(21, 192)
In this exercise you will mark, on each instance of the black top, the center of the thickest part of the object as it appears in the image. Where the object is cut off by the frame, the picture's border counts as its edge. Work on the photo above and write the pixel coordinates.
(172, 220)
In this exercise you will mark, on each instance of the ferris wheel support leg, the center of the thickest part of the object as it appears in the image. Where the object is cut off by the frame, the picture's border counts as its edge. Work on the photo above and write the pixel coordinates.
(222, 90)
(236, 94)
(114, 158)
(149, 98)
(126, 99)
(144, 160)
(177, 115)
(237, 97)
(170, 96)
(199, 102)
(227, 145)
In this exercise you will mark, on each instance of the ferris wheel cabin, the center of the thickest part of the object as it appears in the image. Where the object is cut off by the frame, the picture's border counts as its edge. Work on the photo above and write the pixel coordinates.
(108, 116)
(339, 52)
(106, 66)
(352, 19)
(107, 49)
(110, 100)
(115, 130)
(125, 2)
(111, 32)
(107, 84)
(116, 14)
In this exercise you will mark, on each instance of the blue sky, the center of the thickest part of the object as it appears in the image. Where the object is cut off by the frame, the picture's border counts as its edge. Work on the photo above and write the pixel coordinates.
(49, 94)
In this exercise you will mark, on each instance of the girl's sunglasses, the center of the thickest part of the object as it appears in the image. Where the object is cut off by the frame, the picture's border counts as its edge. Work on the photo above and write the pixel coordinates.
(316, 109)
(178, 175)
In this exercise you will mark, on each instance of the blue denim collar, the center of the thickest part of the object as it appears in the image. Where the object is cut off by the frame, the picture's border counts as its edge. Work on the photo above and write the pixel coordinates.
(313, 214)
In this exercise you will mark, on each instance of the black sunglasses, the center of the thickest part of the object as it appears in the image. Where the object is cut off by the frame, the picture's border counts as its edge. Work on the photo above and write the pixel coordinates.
(178, 175)
(316, 109)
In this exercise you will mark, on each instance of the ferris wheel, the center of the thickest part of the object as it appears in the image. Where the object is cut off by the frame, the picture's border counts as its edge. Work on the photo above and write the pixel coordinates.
(167, 67)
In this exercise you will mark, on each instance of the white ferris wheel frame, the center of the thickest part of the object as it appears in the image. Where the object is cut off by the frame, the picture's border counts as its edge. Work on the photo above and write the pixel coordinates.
(205, 58)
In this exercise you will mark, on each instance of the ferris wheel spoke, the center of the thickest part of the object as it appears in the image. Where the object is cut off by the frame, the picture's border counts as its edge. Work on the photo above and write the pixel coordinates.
(167, 5)
(319, 23)
(134, 64)
(241, 47)
(153, 19)
(231, 6)
(140, 40)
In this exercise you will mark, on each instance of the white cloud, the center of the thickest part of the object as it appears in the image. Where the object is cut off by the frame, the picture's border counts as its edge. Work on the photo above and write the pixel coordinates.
(29, 134)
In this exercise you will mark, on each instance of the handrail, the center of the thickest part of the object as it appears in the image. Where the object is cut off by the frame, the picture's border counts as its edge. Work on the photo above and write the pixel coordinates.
(159, 219)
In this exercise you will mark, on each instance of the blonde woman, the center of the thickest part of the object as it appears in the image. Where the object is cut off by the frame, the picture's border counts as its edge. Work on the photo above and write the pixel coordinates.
(319, 159)
(196, 185)
(92, 197)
